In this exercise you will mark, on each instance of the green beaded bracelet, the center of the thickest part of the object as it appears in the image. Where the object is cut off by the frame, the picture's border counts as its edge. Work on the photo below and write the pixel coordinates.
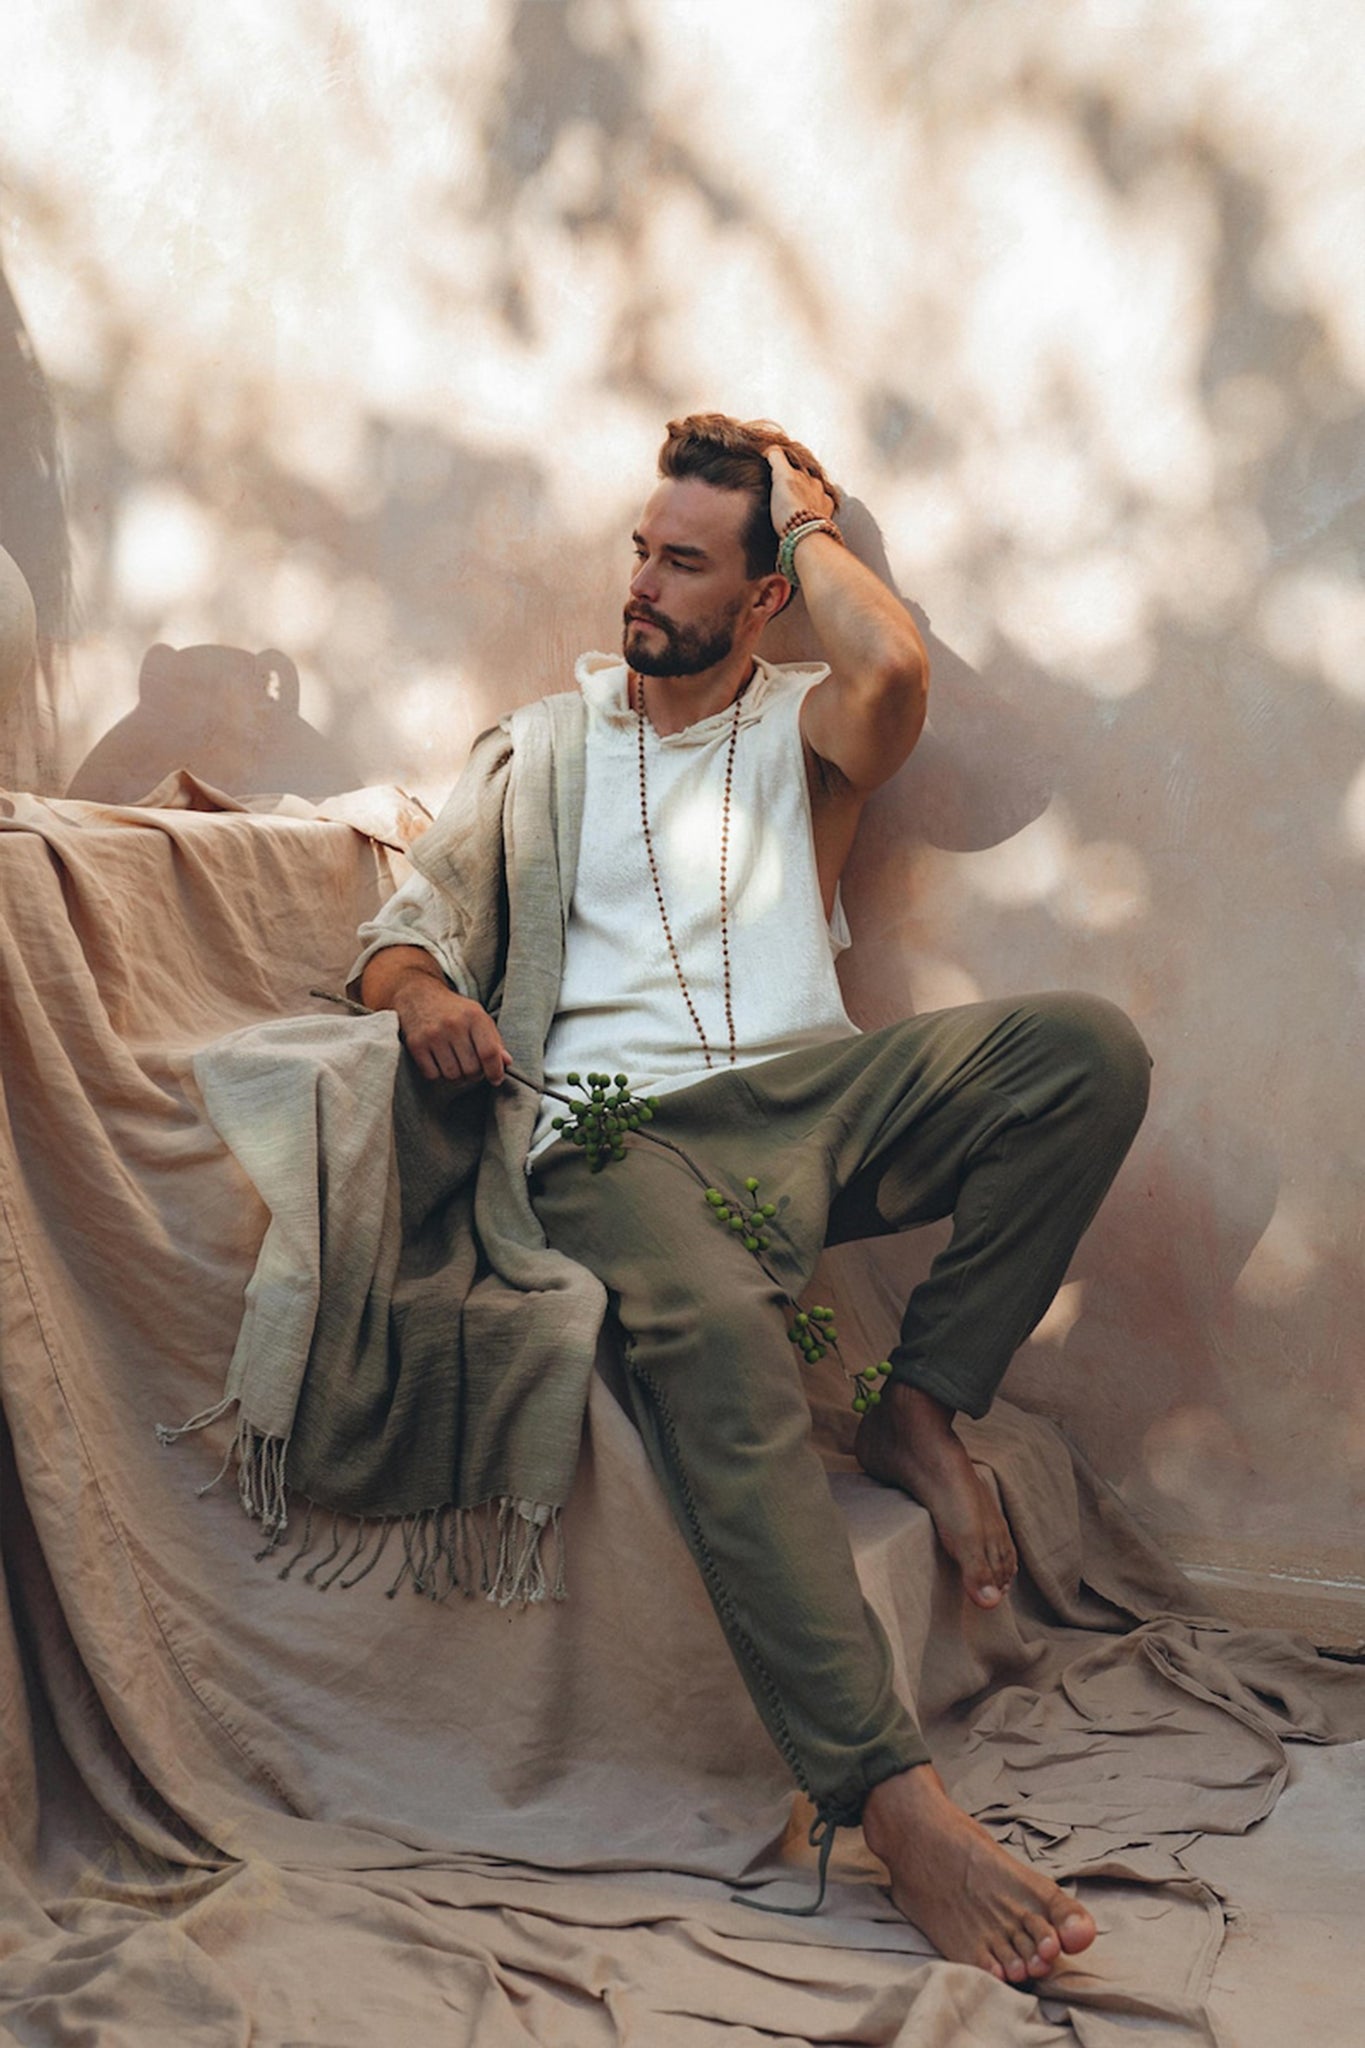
(791, 540)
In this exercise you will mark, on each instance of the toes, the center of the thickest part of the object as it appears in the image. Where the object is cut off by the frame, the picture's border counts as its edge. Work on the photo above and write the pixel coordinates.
(1042, 1938)
(1001, 1560)
(1028, 1962)
(1005, 1962)
(1074, 1926)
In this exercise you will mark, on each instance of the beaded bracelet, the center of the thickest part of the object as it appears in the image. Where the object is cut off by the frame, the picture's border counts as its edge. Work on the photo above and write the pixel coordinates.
(792, 539)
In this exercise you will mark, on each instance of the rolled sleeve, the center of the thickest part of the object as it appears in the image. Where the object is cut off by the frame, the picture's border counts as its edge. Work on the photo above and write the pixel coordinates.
(417, 914)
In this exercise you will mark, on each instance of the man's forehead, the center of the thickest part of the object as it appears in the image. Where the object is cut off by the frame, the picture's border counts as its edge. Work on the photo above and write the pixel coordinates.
(689, 512)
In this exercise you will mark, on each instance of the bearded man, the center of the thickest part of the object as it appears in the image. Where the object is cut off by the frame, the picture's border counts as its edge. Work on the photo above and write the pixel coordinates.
(722, 796)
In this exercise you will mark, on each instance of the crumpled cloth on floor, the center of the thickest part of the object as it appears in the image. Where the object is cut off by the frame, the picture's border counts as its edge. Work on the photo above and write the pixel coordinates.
(238, 1809)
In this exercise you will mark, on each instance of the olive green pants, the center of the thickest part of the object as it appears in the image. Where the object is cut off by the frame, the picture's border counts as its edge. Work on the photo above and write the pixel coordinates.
(1010, 1117)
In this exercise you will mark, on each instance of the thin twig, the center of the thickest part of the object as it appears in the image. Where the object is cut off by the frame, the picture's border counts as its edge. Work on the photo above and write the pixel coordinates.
(697, 1171)
(325, 995)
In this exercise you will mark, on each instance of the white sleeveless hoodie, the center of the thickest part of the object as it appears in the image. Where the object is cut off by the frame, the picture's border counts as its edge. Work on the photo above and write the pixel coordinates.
(620, 1007)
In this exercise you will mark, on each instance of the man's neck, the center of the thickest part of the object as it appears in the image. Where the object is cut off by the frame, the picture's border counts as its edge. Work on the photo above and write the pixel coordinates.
(672, 703)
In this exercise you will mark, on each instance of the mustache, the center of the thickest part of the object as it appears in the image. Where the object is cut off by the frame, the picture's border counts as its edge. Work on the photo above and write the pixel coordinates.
(646, 616)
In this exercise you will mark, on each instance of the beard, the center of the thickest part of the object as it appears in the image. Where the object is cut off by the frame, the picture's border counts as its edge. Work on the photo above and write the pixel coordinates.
(686, 650)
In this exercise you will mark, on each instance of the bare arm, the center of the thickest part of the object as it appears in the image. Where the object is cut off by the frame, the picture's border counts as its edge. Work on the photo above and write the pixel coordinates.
(450, 1036)
(867, 714)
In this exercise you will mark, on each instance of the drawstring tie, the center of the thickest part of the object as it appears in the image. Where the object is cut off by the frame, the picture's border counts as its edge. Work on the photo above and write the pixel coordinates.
(821, 1837)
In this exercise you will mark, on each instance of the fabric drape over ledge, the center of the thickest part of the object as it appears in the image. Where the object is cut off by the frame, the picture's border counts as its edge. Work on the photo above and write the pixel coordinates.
(238, 1809)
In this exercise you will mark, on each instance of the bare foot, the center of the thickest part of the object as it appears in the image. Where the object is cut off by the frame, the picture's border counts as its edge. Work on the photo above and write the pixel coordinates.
(976, 1903)
(908, 1440)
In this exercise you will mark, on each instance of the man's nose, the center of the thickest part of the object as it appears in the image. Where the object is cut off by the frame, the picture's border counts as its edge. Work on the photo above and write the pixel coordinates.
(645, 583)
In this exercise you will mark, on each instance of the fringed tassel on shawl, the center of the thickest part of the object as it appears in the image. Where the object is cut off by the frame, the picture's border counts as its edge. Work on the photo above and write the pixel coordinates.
(509, 1551)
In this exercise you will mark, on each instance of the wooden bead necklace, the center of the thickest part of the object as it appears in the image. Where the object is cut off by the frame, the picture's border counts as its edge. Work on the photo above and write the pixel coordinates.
(639, 683)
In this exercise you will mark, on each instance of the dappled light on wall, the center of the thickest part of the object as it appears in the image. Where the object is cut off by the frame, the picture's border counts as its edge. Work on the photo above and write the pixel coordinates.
(362, 326)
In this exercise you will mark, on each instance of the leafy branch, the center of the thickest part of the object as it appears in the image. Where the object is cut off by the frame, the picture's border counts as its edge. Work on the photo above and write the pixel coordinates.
(603, 1115)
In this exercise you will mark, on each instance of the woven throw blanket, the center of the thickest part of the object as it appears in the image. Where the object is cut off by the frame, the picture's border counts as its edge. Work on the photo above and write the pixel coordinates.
(413, 1358)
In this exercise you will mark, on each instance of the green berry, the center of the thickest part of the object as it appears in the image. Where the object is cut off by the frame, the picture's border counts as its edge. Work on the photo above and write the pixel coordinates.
(751, 1185)
(622, 1081)
(860, 1404)
(751, 1244)
(874, 1397)
(714, 1197)
(769, 1210)
(646, 1115)
(736, 1223)
(884, 1368)
(572, 1080)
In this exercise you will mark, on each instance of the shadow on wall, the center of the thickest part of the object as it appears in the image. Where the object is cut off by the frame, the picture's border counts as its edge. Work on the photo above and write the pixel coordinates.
(230, 717)
(1186, 834)
(33, 533)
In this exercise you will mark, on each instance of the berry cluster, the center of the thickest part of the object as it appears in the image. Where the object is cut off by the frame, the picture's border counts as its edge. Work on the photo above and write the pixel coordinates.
(600, 1122)
(813, 1332)
(869, 1386)
(745, 1221)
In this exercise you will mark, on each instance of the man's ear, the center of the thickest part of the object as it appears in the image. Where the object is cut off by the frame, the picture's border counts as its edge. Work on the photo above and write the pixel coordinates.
(774, 594)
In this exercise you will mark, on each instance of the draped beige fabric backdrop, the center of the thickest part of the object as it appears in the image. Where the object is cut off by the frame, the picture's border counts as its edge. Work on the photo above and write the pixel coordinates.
(360, 322)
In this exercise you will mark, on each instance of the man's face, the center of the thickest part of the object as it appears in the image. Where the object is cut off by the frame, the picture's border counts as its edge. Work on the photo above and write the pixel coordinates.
(691, 586)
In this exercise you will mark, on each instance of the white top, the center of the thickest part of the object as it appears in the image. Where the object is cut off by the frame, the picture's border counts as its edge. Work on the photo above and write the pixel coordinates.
(620, 1006)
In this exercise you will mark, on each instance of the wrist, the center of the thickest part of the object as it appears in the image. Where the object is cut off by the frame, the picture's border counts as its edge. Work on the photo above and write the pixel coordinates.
(413, 982)
(800, 527)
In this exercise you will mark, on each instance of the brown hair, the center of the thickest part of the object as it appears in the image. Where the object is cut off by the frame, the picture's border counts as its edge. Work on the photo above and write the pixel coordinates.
(729, 454)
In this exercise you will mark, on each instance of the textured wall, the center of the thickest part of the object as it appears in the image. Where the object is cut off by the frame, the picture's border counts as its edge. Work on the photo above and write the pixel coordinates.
(359, 322)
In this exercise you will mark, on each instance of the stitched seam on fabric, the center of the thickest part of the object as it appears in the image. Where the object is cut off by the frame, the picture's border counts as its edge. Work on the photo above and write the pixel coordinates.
(259, 1769)
(720, 1592)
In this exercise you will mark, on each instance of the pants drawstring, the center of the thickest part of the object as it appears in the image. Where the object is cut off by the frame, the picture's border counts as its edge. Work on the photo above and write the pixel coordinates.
(822, 1832)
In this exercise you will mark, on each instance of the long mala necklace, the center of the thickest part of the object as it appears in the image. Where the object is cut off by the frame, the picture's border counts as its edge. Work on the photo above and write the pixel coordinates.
(724, 866)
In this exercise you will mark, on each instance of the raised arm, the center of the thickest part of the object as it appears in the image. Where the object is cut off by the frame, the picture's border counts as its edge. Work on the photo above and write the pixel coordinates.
(867, 714)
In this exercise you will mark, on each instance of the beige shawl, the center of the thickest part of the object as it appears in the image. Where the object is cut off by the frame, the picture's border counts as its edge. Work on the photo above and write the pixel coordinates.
(413, 1356)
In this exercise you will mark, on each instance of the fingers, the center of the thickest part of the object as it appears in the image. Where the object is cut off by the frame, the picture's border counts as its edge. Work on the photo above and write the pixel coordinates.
(795, 489)
(451, 1038)
(463, 1057)
(485, 1043)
